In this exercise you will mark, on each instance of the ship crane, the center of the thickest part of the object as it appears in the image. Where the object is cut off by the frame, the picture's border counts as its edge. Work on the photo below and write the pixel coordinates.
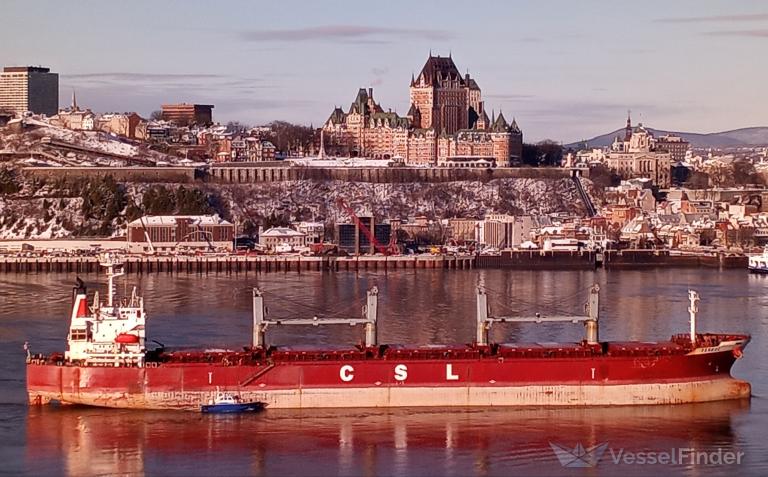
(485, 321)
(370, 312)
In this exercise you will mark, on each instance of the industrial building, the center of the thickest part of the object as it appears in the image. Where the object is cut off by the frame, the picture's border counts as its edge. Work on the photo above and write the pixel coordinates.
(351, 238)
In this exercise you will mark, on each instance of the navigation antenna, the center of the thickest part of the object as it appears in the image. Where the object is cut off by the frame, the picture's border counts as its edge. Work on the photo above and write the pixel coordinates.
(114, 266)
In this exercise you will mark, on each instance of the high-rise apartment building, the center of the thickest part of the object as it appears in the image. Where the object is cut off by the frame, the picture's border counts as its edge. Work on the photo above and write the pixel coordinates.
(29, 88)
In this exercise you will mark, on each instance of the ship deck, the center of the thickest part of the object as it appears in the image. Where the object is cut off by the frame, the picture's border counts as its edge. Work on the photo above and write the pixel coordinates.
(677, 345)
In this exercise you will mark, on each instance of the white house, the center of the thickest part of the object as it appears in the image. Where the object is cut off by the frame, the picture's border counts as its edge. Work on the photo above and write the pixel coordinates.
(275, 236)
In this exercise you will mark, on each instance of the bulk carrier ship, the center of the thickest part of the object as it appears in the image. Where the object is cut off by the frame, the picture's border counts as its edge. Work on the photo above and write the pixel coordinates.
(107, 364)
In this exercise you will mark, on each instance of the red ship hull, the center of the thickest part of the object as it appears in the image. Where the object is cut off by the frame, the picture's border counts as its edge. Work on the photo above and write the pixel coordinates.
(506, 375)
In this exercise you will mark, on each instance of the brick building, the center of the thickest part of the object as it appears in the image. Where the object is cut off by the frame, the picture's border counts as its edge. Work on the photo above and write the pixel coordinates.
(184, 114)
(446, 124)
(129, 125)
(173, 232)
(250, 149)
(676, 146)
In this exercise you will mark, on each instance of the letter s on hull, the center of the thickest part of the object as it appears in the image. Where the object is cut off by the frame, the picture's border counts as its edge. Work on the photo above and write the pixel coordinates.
(401, 372)
(345, 373)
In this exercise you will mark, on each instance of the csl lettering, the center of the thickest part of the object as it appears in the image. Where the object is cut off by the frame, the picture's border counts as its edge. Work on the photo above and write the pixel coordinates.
(449, 376)
(345, 373)
(401, 372)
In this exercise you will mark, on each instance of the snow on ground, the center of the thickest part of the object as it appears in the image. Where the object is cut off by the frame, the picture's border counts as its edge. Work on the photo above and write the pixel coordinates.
(339, 162)
(99, 148)
(95, 140)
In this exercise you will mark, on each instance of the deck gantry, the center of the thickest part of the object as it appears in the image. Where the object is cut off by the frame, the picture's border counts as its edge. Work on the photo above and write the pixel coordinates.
(369, 312)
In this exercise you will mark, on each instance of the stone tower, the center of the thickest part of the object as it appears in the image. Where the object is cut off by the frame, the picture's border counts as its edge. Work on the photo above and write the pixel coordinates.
(441, 95)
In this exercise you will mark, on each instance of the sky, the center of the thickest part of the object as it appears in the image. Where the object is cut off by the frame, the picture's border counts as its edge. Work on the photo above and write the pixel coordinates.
(566, 70)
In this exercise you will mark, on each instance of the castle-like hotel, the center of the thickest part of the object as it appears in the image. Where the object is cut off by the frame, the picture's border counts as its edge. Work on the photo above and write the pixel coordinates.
(446, 125)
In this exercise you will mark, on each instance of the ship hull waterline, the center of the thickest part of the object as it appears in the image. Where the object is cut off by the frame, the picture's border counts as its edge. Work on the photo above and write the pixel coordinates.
(603, 382)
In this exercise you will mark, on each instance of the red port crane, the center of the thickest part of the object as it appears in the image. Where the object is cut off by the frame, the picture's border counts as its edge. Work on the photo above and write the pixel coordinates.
(366, 231)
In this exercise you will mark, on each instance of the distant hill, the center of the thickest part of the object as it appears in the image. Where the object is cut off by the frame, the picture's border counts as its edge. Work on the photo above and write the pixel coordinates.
(756, 136)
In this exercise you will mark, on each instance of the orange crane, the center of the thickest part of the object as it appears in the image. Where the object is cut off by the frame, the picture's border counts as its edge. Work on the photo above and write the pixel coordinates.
(366, 231)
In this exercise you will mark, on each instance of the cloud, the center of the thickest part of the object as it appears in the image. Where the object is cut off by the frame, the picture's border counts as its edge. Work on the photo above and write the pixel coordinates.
(358, 33)
(747, 33)
(189, 82)
(143, 76)
(510, 97)
(568, 109)
(145, 92)
(749, 17)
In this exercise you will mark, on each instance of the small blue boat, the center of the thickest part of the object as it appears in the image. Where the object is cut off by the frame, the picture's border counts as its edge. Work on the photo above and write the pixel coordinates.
(225, 403)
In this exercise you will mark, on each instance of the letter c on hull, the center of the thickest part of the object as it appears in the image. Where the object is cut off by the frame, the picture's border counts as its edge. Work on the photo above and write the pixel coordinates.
(345, 373)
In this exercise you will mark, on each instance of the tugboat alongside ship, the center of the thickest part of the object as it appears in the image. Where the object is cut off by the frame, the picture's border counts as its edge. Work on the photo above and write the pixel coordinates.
(107, 364)
(227, 403)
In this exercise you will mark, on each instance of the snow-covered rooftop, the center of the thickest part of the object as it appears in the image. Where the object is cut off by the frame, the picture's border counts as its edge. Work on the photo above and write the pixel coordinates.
(281, 232)
(339, 162)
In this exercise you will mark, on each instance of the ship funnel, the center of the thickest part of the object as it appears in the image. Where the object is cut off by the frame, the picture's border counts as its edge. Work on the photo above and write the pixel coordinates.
(79, 299)
(593, 313)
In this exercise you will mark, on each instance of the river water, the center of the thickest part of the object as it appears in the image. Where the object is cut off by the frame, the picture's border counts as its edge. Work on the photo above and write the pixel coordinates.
(419, 307)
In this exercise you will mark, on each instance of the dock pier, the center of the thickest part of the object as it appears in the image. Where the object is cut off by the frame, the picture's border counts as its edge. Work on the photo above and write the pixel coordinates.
(516, 259)
(236, 264)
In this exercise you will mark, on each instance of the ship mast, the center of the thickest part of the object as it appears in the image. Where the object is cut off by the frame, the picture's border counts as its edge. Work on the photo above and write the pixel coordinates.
(693, 309)
(115, 269)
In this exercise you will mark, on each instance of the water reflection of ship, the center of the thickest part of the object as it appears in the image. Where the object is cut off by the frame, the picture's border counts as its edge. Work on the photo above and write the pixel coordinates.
(367, 441)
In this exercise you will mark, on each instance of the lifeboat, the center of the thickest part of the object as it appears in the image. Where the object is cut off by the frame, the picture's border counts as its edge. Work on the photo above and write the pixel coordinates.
(126, 338)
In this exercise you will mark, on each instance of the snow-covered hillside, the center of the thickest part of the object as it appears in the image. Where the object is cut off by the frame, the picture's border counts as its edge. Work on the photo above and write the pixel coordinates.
(48, 212)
